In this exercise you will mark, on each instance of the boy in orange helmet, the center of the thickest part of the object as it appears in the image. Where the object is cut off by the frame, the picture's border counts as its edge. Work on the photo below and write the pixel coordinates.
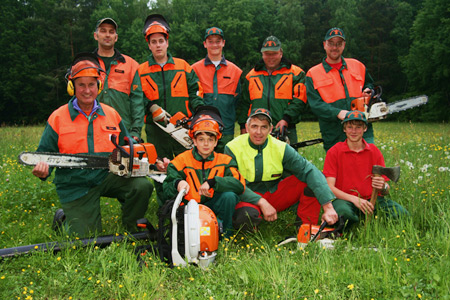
(208, 177)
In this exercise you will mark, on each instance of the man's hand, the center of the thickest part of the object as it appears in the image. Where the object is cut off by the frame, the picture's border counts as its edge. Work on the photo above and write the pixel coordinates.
(204, 190)
(365, 206)
(341, 114)
(161, 165)
(159, 114)
(329, 214)
(367, 92)
(40, 170)
(281, 125)
(378, 182)
(269, 212)
(183, 185)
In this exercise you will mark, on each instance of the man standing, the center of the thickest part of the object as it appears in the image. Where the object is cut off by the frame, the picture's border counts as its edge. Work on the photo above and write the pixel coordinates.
(84, 126)
(170, 86)
(220, 80)
(333, 84)
(277, 85)
(348, 169)
(121, 83)
(263, 160)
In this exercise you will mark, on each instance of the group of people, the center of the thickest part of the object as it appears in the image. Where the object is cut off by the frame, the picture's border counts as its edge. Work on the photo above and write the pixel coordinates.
(243, 179)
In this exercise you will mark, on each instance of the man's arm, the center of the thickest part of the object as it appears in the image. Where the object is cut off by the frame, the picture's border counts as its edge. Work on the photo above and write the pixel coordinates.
(243, 106)
(365, 206)
(137, 108)
(195, 89)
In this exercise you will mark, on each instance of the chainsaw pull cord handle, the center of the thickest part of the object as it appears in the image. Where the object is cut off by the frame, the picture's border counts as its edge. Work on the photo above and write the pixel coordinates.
(324, 224)
(124, 152)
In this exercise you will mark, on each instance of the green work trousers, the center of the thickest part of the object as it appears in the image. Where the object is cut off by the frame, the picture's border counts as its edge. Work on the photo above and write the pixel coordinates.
(165, 146)
(83, 216)
(222, 142)
(351, 214)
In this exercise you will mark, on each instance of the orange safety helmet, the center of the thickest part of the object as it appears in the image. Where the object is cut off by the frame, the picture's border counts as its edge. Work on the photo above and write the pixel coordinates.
(155, 23)
(83, 65)
(205, 123)
(206, 119)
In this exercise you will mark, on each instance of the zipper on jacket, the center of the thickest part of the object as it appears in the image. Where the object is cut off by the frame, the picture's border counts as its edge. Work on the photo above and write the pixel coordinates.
(164, 88)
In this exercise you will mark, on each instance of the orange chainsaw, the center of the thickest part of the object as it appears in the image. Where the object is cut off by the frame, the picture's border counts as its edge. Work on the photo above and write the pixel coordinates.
(376, 109)
(132, 160)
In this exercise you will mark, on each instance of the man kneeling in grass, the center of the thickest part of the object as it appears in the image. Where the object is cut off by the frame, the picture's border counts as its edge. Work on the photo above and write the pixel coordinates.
(208, 177)
(348, 169)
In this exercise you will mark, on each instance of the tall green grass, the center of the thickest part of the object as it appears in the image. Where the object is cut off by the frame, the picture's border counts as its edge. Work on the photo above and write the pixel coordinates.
(381, 259)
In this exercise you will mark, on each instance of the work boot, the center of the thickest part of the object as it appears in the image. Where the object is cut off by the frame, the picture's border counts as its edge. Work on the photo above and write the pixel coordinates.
(247, 219)
(58, 219)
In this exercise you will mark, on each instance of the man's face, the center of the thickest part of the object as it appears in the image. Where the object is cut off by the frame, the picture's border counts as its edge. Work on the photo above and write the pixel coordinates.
(214, 45)
(354, 130)
(205, 144)
(258, 130)
(86, 90)
(158, 44)
(106, 36)
(334, 48)
(272, 59)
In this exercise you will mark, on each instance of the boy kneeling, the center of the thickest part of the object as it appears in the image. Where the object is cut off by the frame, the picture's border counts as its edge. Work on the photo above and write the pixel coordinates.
(348, 169)
(208, 177)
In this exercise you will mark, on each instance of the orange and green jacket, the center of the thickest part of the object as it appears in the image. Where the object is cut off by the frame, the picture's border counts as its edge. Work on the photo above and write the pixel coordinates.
(175, 87)
(69, 131)
(221, 88)
(218, 169)
(330, 90)
(122, 90)
(283, 93)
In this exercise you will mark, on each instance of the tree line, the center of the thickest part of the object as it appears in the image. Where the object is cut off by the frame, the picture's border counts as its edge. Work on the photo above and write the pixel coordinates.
(404, 44)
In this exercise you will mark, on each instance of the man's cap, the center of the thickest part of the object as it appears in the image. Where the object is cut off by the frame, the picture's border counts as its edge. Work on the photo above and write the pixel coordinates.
(271, 43)
(108, 21)
(262, 112)
(206, 119)
(334, 32)
(355, 115)
(84, 65)
(214, 31)
(155, 23)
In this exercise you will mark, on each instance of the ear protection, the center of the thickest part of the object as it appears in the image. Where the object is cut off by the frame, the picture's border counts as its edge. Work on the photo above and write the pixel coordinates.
(71, 87)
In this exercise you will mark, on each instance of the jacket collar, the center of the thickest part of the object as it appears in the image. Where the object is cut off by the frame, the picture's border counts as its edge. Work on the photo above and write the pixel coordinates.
(198, 157)
(259, 147)
(328, 68)
(261, 66)
(209, 62)
(117, 55)
(74, 113)
(151, 59)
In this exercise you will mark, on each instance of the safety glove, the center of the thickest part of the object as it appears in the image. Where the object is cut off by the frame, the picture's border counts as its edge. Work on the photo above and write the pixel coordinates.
(159, 114)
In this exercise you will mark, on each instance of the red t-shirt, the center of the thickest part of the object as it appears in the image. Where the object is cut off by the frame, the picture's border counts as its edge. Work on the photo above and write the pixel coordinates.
(351, 169)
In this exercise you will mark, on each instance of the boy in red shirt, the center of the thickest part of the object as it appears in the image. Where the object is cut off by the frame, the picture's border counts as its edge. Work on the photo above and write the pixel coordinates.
(348, 169)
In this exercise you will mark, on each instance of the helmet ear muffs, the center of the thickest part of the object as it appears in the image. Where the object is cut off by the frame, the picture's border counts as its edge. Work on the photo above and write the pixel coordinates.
(100, 86)
(70, 88)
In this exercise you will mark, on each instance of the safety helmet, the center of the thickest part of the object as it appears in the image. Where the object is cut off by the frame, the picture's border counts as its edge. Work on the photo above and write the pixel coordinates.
(155, 23)
(206, 119)
(84, 65)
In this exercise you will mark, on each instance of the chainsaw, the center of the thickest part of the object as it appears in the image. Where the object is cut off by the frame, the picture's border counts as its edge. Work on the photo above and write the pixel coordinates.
(132, 160)
(177, 129)
(376, 109)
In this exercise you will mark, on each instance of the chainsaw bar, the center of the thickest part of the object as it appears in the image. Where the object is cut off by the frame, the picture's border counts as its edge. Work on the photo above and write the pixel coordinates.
(407, 104)
(61, 160)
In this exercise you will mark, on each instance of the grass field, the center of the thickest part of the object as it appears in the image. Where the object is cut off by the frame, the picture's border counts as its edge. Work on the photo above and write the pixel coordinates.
(412, 260)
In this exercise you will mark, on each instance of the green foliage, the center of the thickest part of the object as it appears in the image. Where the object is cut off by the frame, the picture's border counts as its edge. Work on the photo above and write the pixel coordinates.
(404, 43)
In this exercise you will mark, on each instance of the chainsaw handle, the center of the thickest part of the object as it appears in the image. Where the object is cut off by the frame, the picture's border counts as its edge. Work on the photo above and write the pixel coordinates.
(324, 224)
